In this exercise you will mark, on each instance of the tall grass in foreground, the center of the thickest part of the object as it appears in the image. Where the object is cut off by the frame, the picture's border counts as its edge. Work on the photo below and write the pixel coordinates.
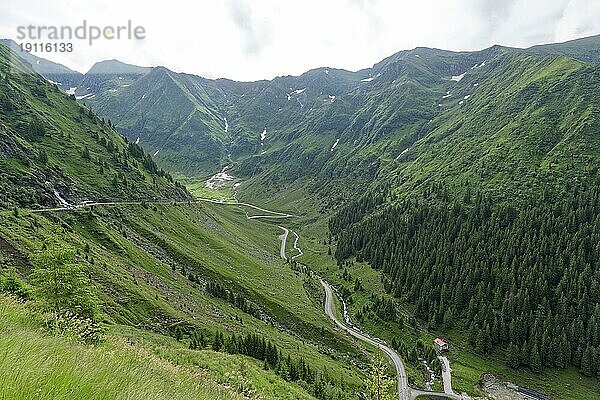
(34, 365)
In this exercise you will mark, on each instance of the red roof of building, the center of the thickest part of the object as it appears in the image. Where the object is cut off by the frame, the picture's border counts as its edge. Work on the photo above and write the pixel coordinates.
(440, 342)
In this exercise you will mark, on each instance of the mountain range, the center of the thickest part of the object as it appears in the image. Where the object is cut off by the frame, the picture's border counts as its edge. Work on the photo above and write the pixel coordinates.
(443, 193)
(330, 122)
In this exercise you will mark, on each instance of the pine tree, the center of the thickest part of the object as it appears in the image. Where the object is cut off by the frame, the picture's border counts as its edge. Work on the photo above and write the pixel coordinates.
(178, 333)
(42, 156)
(218, 342)
(197, 340)
(586, 362)
(36, 128)
(86, 153)
(536, 362)
(513, 360)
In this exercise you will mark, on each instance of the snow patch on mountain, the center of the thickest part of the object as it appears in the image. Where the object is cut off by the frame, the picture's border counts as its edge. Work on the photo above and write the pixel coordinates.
(137, 141)
(370, 78)
(263, 136)
(458, 78)
(219, 180)
(403, 153)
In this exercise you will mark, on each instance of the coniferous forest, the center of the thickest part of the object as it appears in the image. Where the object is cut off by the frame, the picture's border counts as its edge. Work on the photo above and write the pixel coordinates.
(522, 279)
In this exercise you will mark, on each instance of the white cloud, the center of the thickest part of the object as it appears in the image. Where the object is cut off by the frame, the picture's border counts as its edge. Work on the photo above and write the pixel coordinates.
(254, 39)
(579, 18)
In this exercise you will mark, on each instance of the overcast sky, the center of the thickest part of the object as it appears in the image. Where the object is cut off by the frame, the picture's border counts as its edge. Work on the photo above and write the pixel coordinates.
(257, 39)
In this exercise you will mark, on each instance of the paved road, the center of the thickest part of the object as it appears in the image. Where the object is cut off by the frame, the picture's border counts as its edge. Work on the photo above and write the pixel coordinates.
(404, 392)
(446, 375)
(283, 237)
(89, 204)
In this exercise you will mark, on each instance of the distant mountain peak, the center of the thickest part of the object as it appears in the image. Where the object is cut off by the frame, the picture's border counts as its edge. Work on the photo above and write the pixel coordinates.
(116, 67)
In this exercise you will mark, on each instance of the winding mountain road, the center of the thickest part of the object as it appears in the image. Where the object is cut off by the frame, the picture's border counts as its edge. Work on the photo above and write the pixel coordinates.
(298, 249)
(405, 392)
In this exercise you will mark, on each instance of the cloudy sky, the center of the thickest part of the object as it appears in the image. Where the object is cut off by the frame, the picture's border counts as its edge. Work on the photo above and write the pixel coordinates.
(257, 39)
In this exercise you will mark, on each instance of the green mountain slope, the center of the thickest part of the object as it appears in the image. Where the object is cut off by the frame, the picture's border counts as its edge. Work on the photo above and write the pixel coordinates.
(54, 151)
(462, 190)
(586, 49)
(164, 273)
(485, 226)
(516, 126)
(157, 284)
(171, 115)
(381, 108)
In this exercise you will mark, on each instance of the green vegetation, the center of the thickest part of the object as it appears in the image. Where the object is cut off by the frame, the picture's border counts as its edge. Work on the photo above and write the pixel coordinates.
(190, 271)
(380, 385)
(126, 365)
(54, 151)
(465, 208)
(527, 296)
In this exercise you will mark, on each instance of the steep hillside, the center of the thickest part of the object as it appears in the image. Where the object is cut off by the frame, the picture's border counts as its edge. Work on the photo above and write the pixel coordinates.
(516, 126)
(172, 116)
(193, 299)
(199, 125)
(485, 226)
(193, 276)
(56, 152)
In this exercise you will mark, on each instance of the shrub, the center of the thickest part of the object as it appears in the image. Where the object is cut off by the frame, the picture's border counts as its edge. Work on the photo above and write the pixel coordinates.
(60, 283)
(10, 282)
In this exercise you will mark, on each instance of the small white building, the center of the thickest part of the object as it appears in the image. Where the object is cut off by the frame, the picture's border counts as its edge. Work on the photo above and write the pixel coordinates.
(439, 345)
